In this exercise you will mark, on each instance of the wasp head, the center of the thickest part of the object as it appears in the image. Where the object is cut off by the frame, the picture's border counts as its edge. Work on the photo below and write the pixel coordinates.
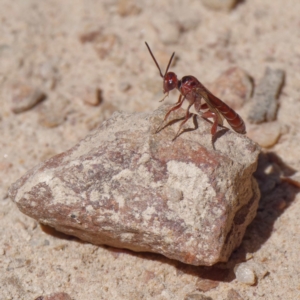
(170, 82)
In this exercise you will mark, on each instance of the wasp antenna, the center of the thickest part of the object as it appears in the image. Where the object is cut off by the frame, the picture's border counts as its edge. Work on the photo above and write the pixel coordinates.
(170, 61)
(155, 60)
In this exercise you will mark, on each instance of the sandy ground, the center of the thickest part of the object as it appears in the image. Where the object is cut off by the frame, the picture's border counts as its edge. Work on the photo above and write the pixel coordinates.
(69, 49)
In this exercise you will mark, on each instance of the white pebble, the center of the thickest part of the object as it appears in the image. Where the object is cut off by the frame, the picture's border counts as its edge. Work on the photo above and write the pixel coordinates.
(245, 274)
(265, 134)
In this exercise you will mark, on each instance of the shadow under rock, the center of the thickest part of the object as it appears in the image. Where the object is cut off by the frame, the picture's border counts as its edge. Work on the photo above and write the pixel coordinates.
(217, 272)
(276, 196)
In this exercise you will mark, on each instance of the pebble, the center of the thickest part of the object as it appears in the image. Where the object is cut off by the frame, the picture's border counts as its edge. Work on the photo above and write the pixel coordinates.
(195, 296)
(220, 4)
(265, 134)
(205, 285)
(52, 115)
(245, 274)
(233, 295)
(55, 296)
(128, 8)
(25, 97)
(92, 96)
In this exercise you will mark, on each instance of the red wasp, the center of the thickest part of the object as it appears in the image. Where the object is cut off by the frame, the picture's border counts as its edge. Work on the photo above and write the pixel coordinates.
(193, 90)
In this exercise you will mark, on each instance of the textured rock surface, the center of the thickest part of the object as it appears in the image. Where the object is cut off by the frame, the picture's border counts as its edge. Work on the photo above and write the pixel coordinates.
(127, 187)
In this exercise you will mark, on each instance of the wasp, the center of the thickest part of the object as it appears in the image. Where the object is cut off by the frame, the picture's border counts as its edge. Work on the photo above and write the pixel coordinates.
(194, 91)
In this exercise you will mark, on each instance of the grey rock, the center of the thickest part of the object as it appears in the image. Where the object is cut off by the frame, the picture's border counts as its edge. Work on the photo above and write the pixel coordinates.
(265, 99)
(127, 187)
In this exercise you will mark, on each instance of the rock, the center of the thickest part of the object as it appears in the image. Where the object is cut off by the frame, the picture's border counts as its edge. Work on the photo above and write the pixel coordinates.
(205, 285)
(55, 296)
(265, 99)
(127, 187)
(245, 274)
(196, 296)
(91, 96)
(128, 8)
(266, 134)
(233, 295)
(25, 97)
(52, 113)
(220, 4)
(234, 87)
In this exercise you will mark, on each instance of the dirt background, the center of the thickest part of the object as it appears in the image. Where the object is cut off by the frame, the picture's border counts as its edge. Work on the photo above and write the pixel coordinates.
(72, 50)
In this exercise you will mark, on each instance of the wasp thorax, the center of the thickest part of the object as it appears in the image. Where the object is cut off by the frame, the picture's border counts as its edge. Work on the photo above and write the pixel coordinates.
(170, 82)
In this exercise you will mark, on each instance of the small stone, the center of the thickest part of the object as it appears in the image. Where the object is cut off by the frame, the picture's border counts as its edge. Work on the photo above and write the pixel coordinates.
(234, 87)
(266, 134)
(127, 187)
(195, 296)
(92, 96)
(233, 295)
(55, 296)
(48, 72)
(205, 285)
(220, 4)
(90, 36)
(25, 97)
(104, 44)
(265, 99)
(17, 264)
(249, 256)
(128, 8)
(245, 274)
(52, 114)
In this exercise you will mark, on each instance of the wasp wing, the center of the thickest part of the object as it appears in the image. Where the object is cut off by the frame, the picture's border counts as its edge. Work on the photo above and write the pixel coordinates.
(209, 99)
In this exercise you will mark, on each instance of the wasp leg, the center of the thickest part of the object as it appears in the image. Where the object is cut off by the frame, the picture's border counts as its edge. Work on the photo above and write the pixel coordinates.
(198, 106)
(178, 105)
(165, 96)
(187, 116)
(210, 114)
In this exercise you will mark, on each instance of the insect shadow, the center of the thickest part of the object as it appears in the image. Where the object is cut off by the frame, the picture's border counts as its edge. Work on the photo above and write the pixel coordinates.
(214, 138)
